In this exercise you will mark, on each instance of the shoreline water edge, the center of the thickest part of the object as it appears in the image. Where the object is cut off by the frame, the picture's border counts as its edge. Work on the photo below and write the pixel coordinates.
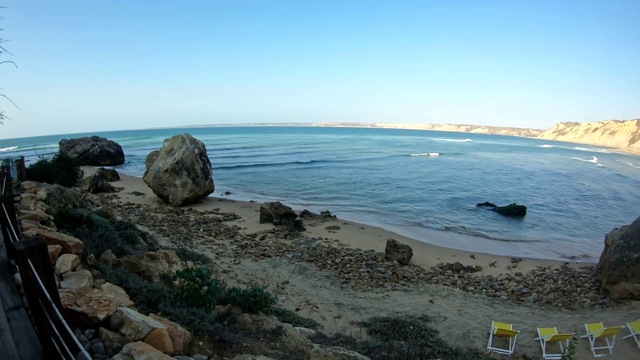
(388, 178)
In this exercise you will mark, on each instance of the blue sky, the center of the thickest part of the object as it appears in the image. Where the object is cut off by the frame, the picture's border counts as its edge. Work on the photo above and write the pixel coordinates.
(108, 65)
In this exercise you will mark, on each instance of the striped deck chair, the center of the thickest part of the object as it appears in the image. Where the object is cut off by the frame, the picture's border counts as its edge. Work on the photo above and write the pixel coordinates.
(634, 329)
(549, 336)
(502, 330)
(598, 331)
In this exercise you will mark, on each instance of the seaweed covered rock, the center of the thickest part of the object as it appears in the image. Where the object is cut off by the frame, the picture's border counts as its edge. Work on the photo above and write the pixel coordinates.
(618, 270)
(512, 210)
(180, 172)
(93, 150)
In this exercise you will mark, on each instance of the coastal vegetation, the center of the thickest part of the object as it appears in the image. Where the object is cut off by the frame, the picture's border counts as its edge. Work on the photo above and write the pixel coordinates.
(58, 169)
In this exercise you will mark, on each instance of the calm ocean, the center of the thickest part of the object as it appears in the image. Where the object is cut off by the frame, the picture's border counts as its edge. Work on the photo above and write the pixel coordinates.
(422, 184)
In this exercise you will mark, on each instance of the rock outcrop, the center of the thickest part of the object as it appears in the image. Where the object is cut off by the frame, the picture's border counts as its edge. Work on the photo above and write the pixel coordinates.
(611, 133)
(395, 251)
(180, 172)
(618, 270)
(155, 265)
(93, 150)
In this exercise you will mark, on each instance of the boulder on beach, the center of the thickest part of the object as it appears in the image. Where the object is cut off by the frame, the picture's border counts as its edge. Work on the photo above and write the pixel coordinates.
(512, 210)
(618, 270)
(396, 251)
(180, 172)
(97, 183)
(279, 214)
(93, 150)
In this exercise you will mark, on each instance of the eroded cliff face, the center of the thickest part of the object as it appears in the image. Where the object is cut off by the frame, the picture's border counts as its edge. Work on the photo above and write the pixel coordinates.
(610, 133)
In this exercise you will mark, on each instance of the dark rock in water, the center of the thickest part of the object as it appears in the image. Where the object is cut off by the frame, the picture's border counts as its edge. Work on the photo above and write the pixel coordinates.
(486, 204)
(93, 150)
(513, 210)
(180, 172)
(396, 251)
(618, 270)
(108, 174)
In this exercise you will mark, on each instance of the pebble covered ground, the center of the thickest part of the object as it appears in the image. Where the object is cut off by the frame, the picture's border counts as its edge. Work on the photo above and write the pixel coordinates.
(564, 287)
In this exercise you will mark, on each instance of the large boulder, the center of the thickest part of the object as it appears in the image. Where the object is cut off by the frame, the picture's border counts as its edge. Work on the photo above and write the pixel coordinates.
(77, 280)
(140, 351)
(70, 245)
(133, 325)
(154, 266)
(275, 212)
(97, 183)
(395, 251)
(279, 214)
(618, 270)
(108, 174)
(93, 150)
(180, 172)
(180, 337)
(88, 307)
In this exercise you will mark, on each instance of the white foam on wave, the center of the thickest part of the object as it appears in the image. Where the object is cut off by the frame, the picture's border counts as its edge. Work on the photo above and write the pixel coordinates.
(9, 148)
(590, 149)
(633, 166)
(455, 140)
(593, 160)
(546, 146)
(426, 154)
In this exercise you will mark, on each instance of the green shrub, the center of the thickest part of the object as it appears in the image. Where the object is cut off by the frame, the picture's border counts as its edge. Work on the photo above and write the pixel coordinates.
(290, 317)
(100, 234)
(408, 337)
(196, 288)
(148, 297)
(59, 169)
(189, 255)
(252, 300)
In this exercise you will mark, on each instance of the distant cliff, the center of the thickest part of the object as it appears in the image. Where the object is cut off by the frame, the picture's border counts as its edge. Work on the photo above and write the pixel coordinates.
(610, 133)
(475, 129)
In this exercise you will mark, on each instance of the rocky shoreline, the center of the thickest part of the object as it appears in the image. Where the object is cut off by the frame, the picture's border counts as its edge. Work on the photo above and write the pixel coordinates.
(565, 287)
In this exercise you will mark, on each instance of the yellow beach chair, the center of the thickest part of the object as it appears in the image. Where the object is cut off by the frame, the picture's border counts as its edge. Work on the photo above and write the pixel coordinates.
(550, 335)
(598, 331)
(502, 330)
(634, 329)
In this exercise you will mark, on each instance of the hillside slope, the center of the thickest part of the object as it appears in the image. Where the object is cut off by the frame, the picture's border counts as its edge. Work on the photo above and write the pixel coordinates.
(610, 133)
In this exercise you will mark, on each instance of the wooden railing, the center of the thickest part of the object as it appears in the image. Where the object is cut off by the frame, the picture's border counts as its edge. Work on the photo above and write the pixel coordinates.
(32, 259)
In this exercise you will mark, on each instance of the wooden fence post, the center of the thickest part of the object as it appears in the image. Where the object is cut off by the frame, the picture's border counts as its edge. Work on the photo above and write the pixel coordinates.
(8, 219)
(35, 249)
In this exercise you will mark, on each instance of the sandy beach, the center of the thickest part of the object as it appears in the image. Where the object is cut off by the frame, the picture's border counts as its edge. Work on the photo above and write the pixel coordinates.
(337, 295)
